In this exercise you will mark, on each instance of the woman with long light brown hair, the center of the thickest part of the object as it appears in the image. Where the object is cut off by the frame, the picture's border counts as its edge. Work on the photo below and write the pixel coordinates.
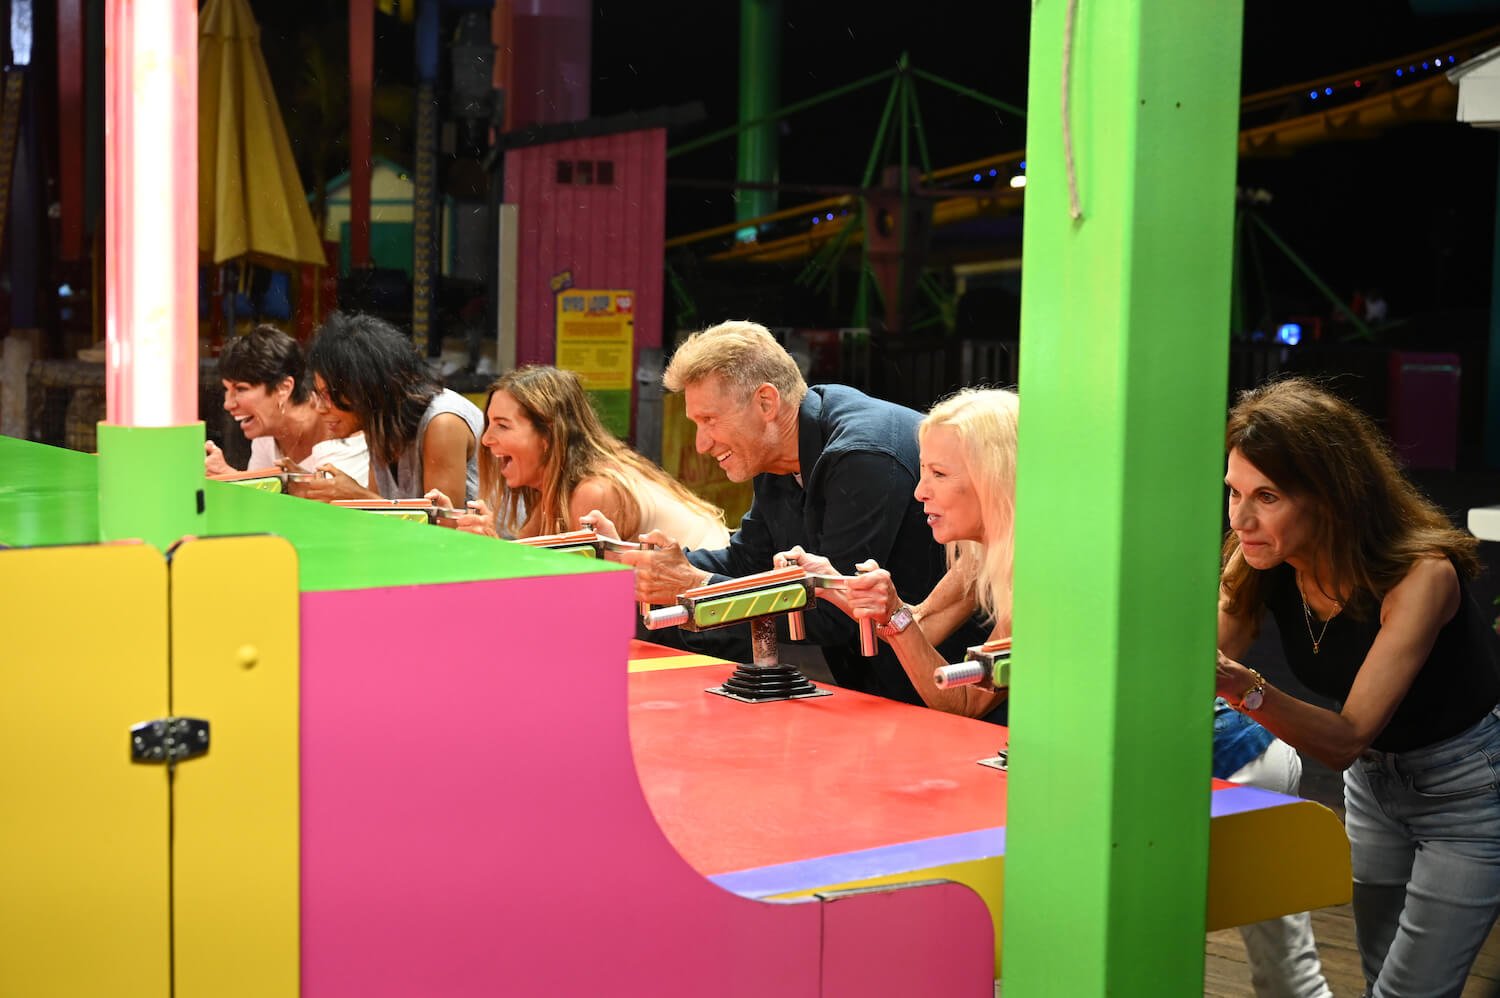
(547, 462)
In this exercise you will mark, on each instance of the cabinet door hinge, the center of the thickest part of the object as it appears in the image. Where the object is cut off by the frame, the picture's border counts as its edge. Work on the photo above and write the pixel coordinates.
(168, 740)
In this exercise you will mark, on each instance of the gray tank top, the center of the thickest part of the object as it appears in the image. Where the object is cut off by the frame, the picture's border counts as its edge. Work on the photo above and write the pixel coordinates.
(407, 481)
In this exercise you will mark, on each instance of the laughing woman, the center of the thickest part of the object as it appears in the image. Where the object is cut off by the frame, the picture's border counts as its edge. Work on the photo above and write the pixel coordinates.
(1368, 584)
(368, 375)
(548, 463)
(266, 391)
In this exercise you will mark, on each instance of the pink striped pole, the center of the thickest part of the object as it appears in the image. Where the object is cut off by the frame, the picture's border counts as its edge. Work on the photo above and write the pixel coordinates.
(151, 467)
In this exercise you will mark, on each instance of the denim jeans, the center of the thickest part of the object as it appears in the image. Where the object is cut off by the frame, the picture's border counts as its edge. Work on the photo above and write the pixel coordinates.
(1424, 835)
(1281, 952)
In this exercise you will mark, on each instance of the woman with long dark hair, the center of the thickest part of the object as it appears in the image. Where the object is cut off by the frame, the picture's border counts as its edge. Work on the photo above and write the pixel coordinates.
(1368, 584)
(367, 375)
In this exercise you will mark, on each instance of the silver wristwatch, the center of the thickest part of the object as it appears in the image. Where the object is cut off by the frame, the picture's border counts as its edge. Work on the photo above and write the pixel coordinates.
(900, 621)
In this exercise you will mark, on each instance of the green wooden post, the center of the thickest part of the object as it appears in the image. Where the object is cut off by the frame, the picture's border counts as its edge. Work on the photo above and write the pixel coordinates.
(760, 67)
(1123, 368)
(151, 483)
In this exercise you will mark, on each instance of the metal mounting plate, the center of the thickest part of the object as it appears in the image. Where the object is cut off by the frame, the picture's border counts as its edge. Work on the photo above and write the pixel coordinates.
(168, 740)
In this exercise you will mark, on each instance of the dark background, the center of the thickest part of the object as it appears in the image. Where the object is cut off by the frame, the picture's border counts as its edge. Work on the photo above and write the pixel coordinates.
(1410, 211)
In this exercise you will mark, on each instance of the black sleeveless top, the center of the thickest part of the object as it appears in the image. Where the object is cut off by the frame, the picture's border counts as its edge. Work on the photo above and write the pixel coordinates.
(1456, 686)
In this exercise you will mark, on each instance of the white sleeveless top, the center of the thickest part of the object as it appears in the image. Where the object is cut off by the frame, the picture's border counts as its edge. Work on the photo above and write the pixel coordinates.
(348, 454)
(691, 528)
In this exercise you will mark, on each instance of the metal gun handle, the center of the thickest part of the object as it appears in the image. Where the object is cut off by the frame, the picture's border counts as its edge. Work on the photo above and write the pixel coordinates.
(867, 643)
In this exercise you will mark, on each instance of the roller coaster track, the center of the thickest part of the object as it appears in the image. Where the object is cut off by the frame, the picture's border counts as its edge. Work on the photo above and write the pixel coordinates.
(1348, 105)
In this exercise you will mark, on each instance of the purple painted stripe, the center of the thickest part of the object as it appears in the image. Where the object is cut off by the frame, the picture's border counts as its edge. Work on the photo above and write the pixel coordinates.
(904, 857)
(843, 868)
(1237, 800)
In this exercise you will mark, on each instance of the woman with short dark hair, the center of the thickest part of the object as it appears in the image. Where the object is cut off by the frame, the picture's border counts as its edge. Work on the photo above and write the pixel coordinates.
(266, 392)
(422, 436)
(1368, 584)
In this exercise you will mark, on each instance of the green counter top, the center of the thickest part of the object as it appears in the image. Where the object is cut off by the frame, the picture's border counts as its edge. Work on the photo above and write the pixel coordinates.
(50, 496)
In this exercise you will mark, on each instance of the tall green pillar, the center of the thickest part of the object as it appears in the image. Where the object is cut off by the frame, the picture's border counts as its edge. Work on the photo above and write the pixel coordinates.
(1124, 360)
(760, 69)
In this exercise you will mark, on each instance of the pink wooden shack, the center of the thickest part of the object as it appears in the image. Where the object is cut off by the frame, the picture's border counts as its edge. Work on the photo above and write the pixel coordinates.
(591, 205)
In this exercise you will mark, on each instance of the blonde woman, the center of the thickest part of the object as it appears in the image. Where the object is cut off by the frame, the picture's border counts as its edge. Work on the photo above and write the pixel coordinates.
(548, 462)
(967, 488)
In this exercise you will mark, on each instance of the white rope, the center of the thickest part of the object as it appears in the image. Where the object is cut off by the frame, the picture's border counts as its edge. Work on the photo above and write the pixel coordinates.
(1075, 209)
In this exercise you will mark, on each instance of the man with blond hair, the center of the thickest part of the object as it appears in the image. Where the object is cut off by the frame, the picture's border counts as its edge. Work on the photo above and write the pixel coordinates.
(833, 472)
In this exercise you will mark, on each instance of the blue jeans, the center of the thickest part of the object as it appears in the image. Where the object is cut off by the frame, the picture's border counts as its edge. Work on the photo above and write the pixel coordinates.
(1424, 835)
(1281, 952)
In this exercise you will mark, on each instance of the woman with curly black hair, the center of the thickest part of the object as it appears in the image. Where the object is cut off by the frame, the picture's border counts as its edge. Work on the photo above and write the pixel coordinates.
(368, 375)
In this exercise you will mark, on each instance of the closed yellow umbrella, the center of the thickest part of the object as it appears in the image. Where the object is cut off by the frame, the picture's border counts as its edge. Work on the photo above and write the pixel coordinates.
(250, 198)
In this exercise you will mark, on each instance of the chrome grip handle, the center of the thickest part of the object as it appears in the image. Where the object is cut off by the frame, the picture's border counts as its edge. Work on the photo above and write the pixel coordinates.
(962, 674)
(667, 616)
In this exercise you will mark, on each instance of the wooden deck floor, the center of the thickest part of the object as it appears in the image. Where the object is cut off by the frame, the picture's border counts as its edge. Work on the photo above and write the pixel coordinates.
(1226, 973)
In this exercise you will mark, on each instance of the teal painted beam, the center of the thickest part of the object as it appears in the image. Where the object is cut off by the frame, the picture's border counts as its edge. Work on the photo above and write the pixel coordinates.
(1124, 360)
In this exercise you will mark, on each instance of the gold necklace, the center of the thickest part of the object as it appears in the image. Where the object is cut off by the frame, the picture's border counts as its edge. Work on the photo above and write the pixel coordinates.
(1307, 618)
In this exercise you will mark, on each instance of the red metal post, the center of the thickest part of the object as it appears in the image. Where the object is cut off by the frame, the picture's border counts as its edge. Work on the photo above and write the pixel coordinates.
(70, 125)
(361, 87)
(503, 33)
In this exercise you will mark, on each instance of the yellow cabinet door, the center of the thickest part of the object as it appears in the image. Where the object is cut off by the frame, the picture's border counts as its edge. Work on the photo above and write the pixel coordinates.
(235, 853)
(84, 833)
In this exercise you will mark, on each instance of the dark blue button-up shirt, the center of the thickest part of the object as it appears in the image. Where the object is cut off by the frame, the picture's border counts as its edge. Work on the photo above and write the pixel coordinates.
(859, 467)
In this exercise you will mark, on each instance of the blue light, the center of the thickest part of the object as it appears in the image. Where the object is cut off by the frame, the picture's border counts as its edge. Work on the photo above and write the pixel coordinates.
(830, 216)
(1426, 64)
(1289, 333)
(992, 173)
(1398, 72)
(976, 178)
(1411, 69)
(1328, 91)
(1023, 164)
(1313, 94)
(816, 220)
